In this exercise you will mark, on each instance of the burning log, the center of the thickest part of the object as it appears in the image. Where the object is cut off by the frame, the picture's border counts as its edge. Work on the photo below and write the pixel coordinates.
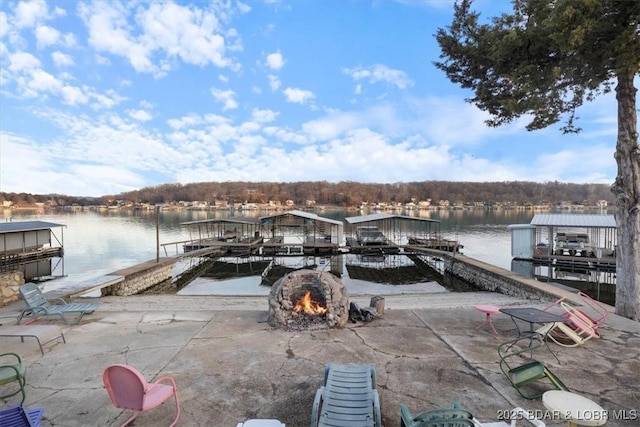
(307, 306)
(308, 299)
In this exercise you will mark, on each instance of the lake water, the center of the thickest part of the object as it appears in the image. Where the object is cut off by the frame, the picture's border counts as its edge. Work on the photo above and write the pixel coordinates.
(100, 242)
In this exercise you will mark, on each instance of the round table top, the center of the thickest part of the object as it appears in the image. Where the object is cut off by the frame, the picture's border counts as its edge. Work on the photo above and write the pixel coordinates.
(488, 308)
(574, 407)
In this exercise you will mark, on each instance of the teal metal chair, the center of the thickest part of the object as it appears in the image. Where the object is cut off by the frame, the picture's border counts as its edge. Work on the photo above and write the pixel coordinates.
(453, 416)
(524, 377)
(12, 370)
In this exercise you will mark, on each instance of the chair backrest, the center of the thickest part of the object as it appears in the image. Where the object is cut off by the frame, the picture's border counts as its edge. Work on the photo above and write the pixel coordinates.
(15, 417)
(126, 386)
(582, 324)
(553, 304)
(596, 306)
(33, 296)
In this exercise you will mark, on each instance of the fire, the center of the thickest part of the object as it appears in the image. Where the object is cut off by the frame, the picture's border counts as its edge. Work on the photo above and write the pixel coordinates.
(308, 306)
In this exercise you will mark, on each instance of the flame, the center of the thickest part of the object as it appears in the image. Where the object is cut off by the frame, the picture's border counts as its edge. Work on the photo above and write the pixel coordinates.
(308, 306)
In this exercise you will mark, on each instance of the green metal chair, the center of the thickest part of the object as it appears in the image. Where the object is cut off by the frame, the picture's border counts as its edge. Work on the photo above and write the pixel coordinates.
(453, 416)
(13, 373)
(522, 377)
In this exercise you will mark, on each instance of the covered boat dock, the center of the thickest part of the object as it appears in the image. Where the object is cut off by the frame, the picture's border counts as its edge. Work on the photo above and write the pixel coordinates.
(288, 233)
(566, 237)
(578, 250)
(30, 246)
(387, 233)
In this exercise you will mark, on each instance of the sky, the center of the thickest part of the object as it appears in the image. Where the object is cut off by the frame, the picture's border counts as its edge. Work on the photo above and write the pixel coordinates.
(100, 98)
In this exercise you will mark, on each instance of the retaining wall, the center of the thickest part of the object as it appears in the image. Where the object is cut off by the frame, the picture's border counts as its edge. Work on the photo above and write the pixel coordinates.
(491, 278)
(487, 277)
(9, 283)
(140, 277)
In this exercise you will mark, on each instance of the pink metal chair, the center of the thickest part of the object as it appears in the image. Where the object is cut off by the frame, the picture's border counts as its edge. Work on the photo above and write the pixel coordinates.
(579, 320)
(128, 389)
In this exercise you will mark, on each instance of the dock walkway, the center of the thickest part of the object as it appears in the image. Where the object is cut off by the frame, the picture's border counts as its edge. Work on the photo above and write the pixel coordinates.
(74, 290)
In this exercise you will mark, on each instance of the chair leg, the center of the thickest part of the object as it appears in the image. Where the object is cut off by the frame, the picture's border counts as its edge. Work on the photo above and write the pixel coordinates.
(175, 395)
(487, 321)
(130, 420)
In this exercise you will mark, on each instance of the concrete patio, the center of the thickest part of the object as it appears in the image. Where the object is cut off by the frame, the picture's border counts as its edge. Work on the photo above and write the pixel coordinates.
(230, 365)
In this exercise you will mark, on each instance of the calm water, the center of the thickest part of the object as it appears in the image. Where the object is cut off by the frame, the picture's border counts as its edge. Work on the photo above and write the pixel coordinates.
(98, 243)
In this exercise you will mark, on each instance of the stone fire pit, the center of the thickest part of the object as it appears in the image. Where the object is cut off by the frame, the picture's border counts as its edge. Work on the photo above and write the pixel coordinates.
(325, 288)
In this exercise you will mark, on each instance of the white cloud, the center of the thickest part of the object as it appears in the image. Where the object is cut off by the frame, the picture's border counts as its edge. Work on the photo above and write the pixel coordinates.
(29, 13)
(140, 115)
(69, 40)
(243, 7)
(102, 60)
(332, 126)
(226, 97)
(4, 24)
(109, 140)
(72, 95)
(41, 81)
(298, 96)
(274, 82)
(275, 61)
(576, 165)
(62, 59)
(46, 36)
(109, 99)
(264, 116)
(380, 73)
(186, 121)
(167, 31)
(21, 61)
(32, 81)
(194, 120)
(285, 135)
(58, 11)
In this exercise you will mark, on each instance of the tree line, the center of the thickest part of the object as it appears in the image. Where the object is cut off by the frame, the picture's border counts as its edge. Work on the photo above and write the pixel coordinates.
(345, 194)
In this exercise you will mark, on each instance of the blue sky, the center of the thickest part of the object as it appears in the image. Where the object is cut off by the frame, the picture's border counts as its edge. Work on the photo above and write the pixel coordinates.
(103, 97)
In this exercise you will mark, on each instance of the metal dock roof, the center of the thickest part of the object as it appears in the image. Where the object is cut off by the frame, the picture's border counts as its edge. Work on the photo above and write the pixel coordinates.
(574, 220)
(230, 219)
(22, 226)
(383, 216)
(303, 214)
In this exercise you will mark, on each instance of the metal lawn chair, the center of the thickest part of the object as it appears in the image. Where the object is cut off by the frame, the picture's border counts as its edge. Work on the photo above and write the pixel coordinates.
(128, 389)
(13, 370)
(525, 376)
(576, 331)
(19, 416)
(579, 320)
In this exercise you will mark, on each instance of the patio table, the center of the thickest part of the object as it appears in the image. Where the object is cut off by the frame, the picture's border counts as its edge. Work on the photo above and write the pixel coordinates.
(533, 316)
